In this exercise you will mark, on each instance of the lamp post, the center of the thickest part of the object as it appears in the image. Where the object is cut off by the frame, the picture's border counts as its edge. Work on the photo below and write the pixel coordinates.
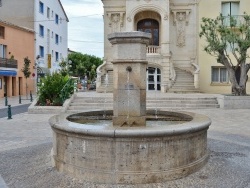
(69, 65)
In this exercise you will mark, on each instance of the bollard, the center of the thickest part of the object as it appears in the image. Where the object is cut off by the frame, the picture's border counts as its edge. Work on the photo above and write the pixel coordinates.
(31, 98)
(9, 112)
(6, 101)
(20, 99)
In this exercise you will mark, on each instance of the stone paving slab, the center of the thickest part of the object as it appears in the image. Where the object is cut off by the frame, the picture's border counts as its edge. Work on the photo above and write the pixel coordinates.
(26, 142)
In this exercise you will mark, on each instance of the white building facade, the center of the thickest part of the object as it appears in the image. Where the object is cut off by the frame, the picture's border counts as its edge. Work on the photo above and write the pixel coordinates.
(176, 58)
(50, 23)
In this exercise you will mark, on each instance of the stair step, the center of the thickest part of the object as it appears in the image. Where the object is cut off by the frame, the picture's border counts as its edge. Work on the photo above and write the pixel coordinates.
(184, 82)
(188, 106)
(80, 104)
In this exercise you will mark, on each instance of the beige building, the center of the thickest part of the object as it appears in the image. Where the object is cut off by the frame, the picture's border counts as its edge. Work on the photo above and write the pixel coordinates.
(213, 76)
(176, 60)
(16, 43)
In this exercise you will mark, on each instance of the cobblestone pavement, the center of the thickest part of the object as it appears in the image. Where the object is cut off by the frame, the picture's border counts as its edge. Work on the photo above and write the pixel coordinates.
(26, 142)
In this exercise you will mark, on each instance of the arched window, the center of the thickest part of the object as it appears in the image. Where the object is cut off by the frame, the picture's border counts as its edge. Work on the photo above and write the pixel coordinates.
(150, 26)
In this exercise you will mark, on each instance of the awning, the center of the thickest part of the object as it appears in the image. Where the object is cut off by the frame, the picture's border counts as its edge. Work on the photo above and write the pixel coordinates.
(42, 70)
(8, 73)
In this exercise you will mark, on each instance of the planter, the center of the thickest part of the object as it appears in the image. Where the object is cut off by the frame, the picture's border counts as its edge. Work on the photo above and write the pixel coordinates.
(34, 109)
(234, 102)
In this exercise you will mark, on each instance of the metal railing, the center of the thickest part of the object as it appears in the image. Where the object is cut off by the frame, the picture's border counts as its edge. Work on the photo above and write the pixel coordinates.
(233, 20)
(8, 63)
(67, 90)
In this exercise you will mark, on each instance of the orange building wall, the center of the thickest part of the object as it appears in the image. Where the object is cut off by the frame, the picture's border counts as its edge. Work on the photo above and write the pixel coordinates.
(20, 44)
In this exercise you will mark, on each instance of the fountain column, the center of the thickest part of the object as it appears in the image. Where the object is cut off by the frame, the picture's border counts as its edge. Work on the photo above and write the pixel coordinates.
(129, 64)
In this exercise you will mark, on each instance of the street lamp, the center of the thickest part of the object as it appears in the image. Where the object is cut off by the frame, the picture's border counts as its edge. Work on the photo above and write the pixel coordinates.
(69, 65)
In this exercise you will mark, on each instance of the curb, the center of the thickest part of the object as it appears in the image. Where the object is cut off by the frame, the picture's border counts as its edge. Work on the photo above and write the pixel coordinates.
(33, 109)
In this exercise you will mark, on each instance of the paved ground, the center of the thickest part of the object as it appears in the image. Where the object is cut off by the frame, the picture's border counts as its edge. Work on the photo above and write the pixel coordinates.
(14, 101)
(26, 142)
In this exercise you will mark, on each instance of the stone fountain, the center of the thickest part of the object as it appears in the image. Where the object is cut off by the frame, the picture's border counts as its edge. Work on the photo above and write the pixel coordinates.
(129, 145)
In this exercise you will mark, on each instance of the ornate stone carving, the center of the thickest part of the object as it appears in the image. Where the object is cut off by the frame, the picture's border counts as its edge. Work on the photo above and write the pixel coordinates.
(165, 16)
(185, 12)
(181, 31)
(116, 20)
(181, 18)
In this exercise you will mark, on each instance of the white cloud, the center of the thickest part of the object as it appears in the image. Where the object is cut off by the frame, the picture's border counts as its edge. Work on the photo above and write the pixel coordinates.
(85, 27)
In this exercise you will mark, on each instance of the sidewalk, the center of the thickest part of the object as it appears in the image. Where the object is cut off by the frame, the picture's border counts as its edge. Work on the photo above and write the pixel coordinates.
(14, 101)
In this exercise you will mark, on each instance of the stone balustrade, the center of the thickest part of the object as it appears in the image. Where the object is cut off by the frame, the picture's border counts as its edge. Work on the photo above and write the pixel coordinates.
(153, 50)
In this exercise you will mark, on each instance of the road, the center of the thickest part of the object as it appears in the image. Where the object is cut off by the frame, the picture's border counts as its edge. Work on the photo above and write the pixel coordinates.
(14, 110)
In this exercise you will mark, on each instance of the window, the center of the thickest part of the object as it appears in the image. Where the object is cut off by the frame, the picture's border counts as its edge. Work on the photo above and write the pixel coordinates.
(230, 8)
(41, 51)
(52, 34)
(41, 6)
(0, 3)
(57, 19)
(57, 56)
(219, 75)
(150, 26)
(60, 20)
(52, 53)
(1, 32)
(48, 12)
(52, 13)
(3, 49)
(41, 30)
(61, 39)
(57, 38)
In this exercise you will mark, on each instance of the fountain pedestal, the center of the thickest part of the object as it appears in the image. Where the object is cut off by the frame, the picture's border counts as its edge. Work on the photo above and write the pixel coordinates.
(129, 66)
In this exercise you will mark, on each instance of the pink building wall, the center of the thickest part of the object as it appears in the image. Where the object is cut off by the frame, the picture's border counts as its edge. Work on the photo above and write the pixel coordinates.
(20, 44)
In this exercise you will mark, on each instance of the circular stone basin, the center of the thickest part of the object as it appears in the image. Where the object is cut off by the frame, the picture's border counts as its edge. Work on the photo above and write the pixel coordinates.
(100, 153)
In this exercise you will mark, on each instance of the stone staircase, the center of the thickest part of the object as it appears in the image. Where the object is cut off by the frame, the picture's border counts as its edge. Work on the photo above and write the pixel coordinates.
(106, 87)
(80, 104)
(184, 82)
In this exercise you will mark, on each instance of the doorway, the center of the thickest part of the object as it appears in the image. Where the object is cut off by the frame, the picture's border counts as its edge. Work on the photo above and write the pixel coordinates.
(150, 26)
(20, 83)
(5, 87)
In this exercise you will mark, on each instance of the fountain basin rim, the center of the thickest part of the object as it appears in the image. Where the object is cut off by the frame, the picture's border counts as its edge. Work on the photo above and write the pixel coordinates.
(199, 122)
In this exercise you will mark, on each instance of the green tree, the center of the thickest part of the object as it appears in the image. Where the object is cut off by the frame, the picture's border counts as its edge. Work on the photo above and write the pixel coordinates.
(65, 67)
(26, 72)
(228, 39)
(82, 64)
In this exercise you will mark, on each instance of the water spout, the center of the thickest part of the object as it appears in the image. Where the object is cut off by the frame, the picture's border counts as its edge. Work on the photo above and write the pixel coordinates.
(129, 69)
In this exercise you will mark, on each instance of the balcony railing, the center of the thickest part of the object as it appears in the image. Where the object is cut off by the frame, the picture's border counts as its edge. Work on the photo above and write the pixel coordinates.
(153, 49)
(8, 63)
(234, 21)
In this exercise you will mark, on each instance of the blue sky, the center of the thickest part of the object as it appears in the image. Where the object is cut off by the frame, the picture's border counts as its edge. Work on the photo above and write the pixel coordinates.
(85, 27)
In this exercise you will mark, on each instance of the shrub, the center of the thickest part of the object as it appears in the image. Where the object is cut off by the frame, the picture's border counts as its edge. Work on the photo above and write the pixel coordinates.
(54, 90)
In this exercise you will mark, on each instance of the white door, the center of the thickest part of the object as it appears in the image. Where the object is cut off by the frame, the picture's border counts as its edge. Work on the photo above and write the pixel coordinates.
(154, 78)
